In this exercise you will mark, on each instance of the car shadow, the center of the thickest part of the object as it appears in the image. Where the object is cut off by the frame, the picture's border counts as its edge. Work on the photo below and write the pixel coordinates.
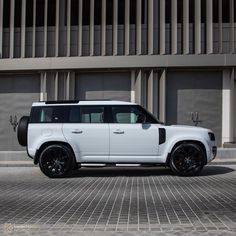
(215, 170)
(142, 171)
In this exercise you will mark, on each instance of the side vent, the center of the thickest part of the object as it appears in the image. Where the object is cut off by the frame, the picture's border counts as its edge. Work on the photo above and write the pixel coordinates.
(162, 135)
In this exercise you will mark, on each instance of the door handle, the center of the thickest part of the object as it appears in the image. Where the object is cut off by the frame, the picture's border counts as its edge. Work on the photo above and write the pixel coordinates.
(76, 131)
(119, 132)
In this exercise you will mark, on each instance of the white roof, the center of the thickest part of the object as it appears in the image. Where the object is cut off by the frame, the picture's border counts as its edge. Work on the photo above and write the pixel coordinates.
(97, 102)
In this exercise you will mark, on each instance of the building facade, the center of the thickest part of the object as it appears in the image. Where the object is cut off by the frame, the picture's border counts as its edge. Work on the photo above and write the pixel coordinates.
(174, 57)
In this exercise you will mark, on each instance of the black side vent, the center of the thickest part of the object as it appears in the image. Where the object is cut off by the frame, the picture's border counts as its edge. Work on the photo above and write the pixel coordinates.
(162, 135)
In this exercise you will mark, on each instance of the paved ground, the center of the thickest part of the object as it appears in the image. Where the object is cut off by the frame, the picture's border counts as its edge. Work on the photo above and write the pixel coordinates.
(115, 201)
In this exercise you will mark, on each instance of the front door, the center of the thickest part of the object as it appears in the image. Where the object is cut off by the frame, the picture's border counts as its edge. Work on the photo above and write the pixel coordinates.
(132, 141)
(87, 133)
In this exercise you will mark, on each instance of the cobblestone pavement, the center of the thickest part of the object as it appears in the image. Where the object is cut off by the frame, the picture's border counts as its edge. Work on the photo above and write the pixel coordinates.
(118, 201)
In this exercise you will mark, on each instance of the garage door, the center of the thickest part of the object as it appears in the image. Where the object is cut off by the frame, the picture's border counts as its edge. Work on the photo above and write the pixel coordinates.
(114, 86)
(16, 96)
(195, 98)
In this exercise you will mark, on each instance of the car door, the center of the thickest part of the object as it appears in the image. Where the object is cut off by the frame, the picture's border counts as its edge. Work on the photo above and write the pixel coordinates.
(132, 141)
(87, 133)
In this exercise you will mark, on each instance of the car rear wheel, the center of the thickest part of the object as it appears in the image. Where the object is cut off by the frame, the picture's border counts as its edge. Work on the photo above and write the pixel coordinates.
(187, 159)
(56, 161)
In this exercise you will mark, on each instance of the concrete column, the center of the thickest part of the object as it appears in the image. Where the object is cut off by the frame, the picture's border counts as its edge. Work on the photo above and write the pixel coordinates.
(115, 23)
(80, 30)
(67, 86)
(91, 28)
(197, 27)
(139, 27)
(34, 29)
(232, 6)
(162, 27)
(132, 85)
(162, 96)
(103, 35)
(185, 26)
(12, 19)
(209, 26)
(220, 26)
(228, 106)
(56, 86)
(57, 28)
(43, 86)
(127, 26)
(68, 28)
(45, 28)
(138, 87)
(173, 27)
(23, 19)
(150, 91)
(72, 86)
(1, 26)
(150, 27)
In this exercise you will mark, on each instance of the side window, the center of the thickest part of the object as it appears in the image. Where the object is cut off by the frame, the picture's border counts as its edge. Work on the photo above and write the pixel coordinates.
(125, 114)
(74, 115)
(91, 114)
(48, 114)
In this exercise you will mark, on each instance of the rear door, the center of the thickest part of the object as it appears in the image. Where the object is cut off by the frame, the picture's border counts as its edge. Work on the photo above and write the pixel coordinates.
(88, 133)
(131, 141)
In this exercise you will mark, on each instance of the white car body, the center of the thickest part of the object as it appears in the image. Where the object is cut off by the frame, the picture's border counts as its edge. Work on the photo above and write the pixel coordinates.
(116, 142)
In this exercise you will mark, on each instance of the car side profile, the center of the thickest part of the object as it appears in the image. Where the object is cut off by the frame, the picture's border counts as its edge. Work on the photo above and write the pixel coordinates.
(64, 135)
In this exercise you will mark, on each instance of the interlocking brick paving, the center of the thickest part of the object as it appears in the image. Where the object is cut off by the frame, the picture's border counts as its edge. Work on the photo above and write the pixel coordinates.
(118, 200)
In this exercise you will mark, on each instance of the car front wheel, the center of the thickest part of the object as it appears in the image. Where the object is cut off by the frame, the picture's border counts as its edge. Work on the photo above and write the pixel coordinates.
(56, 161)
(187, 159)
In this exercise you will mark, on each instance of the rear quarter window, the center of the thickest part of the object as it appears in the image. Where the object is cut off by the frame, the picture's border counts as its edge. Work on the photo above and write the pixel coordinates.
(49, 114)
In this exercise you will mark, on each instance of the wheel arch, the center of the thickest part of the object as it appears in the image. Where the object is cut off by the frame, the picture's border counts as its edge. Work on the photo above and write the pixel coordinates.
(48, 143)
(198, 142)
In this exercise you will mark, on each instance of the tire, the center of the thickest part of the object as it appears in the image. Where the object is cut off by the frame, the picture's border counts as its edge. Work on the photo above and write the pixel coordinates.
(56, 161)
(22, 131)
(187, 159)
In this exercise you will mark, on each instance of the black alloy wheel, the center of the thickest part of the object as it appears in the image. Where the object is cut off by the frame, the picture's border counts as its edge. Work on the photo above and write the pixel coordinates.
(56, 161)
(187, 159)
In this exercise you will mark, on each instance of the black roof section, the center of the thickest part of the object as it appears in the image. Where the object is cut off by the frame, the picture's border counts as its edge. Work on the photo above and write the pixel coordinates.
(61, 102)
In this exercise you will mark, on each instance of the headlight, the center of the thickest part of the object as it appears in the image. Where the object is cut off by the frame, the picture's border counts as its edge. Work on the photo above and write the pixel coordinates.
(211, 136)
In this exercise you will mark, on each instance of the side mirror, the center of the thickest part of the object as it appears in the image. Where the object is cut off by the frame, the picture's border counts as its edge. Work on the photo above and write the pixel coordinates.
(141, 118)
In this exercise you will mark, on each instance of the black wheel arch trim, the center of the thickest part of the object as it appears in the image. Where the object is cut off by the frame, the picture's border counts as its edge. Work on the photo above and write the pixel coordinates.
(46, 144)
(187, 141)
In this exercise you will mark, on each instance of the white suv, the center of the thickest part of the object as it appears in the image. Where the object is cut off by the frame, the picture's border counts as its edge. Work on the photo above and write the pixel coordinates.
(64, 135)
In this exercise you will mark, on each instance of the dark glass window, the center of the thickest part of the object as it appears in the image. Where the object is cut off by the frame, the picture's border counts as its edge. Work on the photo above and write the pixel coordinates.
(133, 7)
(121, 12)
(131, 115)
(168, 11)
(97, 12)
(225, 11)
(203, 11)
(18, 6)
(109, 12)
(6, 13)
(29, 13)
(191, 11)
(180, 11)
(51, 12)
(49, 114)
(91, 114)
(86, 12)
(215, 11)
(40, 4)
(74, 12)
